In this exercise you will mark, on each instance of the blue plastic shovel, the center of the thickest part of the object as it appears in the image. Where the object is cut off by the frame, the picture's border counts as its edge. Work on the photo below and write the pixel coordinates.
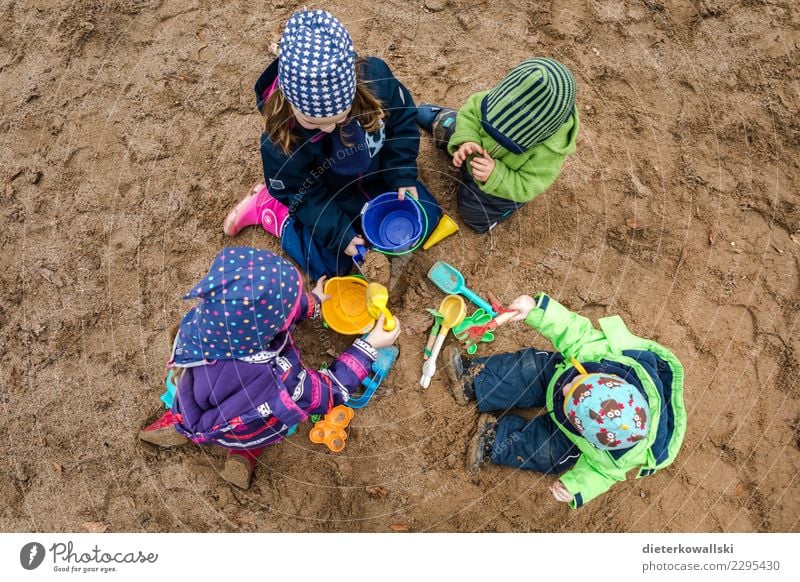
(451, 281)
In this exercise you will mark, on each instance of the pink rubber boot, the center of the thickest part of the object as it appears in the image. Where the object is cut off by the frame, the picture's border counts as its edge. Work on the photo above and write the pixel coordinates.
(162, 432)
(257, 208)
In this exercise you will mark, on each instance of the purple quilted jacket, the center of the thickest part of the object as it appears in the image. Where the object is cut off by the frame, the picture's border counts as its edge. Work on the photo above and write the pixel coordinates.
(244, 405)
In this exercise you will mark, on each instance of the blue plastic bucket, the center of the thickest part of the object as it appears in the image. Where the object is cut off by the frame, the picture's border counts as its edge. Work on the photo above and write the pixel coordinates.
(392, 225)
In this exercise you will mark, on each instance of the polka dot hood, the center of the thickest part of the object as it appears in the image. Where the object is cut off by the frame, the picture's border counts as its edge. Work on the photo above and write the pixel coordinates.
(247, 299)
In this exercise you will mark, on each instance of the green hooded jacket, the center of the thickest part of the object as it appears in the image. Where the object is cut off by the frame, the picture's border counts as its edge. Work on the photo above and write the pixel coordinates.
(518, 177)
(575, 337)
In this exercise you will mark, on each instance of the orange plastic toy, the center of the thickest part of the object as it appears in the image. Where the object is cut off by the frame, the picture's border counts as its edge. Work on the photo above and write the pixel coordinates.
(330, 430)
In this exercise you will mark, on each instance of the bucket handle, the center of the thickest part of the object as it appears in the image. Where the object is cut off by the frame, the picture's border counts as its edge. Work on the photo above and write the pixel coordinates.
(358, 258)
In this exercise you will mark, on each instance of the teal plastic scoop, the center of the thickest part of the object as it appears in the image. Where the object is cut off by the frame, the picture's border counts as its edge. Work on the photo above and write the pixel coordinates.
(450, 280)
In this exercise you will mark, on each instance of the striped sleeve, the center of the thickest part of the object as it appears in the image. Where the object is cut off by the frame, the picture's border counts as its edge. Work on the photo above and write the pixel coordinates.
(343, 377)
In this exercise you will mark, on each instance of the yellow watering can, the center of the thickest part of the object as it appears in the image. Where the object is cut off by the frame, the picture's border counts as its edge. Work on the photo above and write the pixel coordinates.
(377, 298)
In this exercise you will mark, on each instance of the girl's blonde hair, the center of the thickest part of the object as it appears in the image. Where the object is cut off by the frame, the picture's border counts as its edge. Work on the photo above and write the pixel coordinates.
(279, 119)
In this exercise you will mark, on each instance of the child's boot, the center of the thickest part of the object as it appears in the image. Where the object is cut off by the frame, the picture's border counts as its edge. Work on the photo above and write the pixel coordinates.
(162, 432)
(440, 121)
(479, 451)
(259, 207)
(426, 113)
(460, 381)
(444, 126)
(239, 467)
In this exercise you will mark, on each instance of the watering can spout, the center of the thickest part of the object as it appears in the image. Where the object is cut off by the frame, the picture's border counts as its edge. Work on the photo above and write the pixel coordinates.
(389, 322)
(377, 299)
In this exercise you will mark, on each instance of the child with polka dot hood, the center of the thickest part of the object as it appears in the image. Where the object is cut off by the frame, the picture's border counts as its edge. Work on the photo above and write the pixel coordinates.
(242, 383)
(614, 402)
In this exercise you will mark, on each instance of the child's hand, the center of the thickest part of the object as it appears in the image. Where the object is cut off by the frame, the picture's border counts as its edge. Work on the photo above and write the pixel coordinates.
(379, 338)
(410, 190)
(522, 305)
(482, 167)
(560, 492)
(464, 150)
(351, 250)
(318, 292)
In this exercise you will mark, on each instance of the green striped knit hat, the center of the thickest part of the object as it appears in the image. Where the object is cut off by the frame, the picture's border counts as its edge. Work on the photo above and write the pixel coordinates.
(529, 105)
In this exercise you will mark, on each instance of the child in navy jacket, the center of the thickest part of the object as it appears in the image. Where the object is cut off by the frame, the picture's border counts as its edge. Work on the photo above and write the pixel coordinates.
(339, 130)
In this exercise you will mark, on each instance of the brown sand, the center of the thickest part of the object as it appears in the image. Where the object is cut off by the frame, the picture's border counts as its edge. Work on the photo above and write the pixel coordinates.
(129, 130)
(376, 268)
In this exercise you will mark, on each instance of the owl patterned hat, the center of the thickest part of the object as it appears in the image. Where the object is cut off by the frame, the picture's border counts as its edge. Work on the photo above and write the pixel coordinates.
(248, 297)
(316, 64)
(608, 412)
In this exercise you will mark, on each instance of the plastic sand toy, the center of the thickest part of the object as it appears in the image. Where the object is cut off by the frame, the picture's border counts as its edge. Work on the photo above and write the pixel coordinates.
(479, 327)
(471, 340)
(380, 368)
(450, 280)
(437, 323)
(377, 298)
(330, 431)
(393, 226)
(445, 228)
(454, 310)
(346, 311)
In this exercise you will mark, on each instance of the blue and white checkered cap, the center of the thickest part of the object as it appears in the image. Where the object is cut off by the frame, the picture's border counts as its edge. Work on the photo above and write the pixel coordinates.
(316, 65)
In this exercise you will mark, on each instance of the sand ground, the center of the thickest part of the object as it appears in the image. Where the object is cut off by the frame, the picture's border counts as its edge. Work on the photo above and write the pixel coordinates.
(129, 129)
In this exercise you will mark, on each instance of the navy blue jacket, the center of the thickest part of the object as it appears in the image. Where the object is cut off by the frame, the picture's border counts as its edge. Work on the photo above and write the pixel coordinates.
(303, 180)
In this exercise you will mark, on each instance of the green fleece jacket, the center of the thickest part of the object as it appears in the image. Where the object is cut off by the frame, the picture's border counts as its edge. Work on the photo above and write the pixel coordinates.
(518, 177)
(575, 337)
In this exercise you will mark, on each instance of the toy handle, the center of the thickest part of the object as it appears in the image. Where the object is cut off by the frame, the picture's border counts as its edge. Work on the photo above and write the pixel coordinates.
(437, 323)
(478, 300)
(429, 346)
(504, 318)
(389, 322)
(361, 252)
(381, 367)
(429, 368)
(371, 386)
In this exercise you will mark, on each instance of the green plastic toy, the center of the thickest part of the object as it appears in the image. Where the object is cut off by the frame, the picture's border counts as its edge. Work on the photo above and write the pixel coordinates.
(478, 319)
(437, 323)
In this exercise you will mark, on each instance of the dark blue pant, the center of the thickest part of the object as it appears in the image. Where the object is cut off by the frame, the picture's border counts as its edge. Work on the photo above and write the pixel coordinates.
(479, 210)
(519, 380)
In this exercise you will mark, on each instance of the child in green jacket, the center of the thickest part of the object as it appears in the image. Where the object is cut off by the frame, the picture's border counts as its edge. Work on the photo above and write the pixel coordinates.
(514, 138)
(614, 402)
